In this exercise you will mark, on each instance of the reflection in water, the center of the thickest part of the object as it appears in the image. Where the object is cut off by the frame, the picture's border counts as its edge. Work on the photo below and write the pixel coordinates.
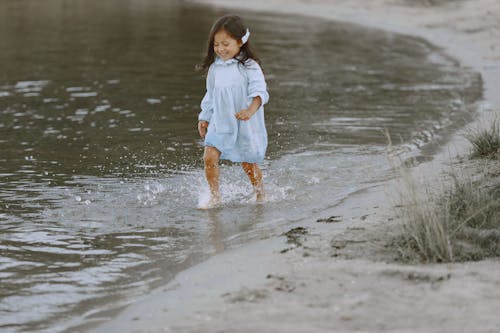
(222, 233)
(216, 234)
(100, 168)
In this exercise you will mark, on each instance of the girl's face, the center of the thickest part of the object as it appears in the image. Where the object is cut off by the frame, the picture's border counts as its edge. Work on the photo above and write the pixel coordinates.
(225, 46)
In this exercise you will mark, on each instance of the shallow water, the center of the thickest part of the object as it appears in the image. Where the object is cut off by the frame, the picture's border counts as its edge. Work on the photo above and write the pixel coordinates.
(100, 170)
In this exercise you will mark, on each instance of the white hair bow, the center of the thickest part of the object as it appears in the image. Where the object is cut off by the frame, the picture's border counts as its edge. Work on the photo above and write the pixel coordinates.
(245, 37)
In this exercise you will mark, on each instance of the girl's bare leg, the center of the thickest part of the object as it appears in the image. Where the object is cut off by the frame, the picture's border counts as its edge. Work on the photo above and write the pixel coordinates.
(211, 159)
(255, 175)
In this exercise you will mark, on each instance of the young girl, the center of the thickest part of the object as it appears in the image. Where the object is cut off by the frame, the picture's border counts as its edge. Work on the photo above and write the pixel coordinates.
(232, 114)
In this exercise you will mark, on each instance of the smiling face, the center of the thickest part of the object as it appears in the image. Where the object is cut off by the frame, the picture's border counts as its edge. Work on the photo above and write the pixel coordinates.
(225, 46)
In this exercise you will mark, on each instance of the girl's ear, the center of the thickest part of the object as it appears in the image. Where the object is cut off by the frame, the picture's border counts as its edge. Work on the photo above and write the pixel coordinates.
(240, 43)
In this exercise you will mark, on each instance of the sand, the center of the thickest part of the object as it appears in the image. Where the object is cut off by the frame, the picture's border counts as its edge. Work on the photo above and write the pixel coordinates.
(338, 277)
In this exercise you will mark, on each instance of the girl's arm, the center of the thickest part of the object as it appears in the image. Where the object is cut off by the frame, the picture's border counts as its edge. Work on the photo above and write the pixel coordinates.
(257, 90)
(207, 108)
(247, 113)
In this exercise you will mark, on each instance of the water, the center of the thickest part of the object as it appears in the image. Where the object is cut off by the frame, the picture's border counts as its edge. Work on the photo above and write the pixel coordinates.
(100, 165)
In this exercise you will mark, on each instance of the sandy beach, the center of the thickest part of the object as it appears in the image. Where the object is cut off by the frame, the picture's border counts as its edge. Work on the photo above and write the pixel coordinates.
(337, 277)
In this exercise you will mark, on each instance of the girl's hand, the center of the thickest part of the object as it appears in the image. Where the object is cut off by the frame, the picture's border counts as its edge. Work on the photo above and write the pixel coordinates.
(245, 114)
(202, 128)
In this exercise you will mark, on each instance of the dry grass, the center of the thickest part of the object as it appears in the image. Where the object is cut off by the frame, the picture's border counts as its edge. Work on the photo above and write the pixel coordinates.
(424, 235)
(485, 142)
(458, 219)
(458, 224)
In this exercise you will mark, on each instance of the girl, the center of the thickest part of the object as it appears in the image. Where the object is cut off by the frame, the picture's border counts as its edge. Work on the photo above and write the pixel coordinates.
(232, 114)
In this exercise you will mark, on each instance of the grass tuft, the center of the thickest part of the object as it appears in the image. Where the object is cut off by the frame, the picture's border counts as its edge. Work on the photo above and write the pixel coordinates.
(486, 142)
(458, 224)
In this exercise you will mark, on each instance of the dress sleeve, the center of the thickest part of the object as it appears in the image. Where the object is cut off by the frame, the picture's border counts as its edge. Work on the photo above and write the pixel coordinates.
(207, 108)
(256, 82)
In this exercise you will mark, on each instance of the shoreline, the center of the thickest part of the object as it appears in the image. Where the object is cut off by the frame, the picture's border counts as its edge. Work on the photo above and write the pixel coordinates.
(325, 284)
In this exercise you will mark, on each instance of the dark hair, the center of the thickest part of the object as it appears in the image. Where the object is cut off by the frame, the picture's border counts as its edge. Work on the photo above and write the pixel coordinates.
(234, 26)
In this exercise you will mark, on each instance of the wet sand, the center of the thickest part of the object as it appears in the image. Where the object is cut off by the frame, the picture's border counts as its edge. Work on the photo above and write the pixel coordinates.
(335, 276)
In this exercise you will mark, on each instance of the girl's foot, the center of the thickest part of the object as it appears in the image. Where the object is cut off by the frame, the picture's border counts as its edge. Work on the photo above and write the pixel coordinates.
(260, 197)
(212, 203)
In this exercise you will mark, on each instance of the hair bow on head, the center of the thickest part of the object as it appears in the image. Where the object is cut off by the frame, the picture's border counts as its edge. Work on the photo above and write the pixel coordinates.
(245, 37)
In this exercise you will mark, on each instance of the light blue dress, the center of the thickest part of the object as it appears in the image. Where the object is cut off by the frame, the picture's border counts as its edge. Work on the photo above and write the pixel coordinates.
(231, 87)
